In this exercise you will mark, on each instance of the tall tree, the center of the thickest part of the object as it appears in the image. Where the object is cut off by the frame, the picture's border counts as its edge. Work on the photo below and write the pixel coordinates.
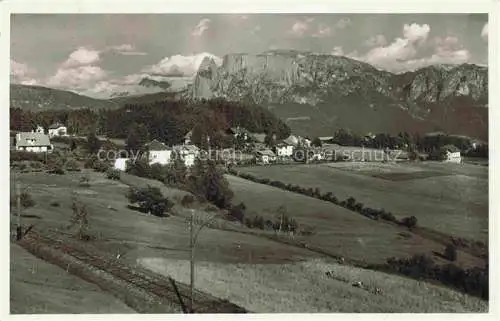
(137, 138)
(93, 144)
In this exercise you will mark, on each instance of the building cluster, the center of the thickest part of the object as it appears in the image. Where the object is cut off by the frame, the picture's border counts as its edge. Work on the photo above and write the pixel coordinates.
(38, 140)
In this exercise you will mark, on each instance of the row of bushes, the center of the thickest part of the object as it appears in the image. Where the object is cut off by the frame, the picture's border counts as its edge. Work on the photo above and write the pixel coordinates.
(474, 281)
(350, 203)
(282, 223)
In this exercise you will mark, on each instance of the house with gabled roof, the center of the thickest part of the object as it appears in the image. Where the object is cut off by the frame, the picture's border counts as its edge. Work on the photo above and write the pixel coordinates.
(265, 156)
(158, 153)
(33, 142)
(451, 154)
(58, 129)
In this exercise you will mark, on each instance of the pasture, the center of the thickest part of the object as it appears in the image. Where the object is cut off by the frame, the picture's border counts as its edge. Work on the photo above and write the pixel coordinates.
(337, 231)
(303, 287)
(231, 259)
(31, 278)
(449, 198)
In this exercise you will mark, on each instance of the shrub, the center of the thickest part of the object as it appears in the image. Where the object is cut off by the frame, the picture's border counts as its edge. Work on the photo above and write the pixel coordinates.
(113, 174)
(258, 222)
(26, 200)
(238, 212)
(450, 252)
(80, 218)
(55, 204)
(72, 165)
(150, 200)
(410, 222)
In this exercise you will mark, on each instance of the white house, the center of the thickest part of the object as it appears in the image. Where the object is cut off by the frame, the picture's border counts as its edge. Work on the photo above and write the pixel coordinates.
(159, 153)
(291, 140)
(452, 154)
(283, 150)
(453, 157)
(187, 137)
(57, 129)
(121, 164)
(265, 156)
(33, 142)
(39, 130)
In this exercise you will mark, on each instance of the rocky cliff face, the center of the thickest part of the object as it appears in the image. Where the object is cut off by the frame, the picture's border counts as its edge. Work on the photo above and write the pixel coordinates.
(290, 77)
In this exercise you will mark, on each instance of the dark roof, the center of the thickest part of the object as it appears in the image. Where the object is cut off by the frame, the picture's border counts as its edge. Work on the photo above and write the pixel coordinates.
(451, 148)
(24, 139)
(56, 126)
(156, 145)
(267, 152)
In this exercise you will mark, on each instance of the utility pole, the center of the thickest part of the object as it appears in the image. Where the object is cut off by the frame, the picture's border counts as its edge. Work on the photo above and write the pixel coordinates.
(19, 229)
(191, 245)
(193, 236)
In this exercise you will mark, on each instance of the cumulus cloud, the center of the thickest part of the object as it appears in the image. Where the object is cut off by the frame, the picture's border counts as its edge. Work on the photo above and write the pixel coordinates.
(126, 50)
(299, 28)
(410, 51)
(21, 73)
(305, 27)
(79, 71)
(76, 78)
(374, 41)
(484, 32)
(82, 57)
(201, 27)
(416, 32)
(180, 66)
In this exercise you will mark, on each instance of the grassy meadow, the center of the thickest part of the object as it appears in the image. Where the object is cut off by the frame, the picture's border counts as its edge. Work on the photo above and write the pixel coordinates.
(449, 198)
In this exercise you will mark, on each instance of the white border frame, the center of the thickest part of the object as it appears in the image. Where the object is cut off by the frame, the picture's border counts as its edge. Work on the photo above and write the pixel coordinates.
(270, 6)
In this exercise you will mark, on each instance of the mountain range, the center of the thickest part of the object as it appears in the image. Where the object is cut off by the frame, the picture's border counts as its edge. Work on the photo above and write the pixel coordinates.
(318, 93)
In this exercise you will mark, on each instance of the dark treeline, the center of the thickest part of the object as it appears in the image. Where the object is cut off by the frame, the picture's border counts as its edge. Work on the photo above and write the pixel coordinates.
(411, 142)
(168, 121)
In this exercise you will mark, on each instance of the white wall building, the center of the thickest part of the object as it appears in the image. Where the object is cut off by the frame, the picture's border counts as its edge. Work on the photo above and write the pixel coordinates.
(57, 129)
(284, 150)
(159, 153)
(453, 157)
(121, 164)
(33, 142)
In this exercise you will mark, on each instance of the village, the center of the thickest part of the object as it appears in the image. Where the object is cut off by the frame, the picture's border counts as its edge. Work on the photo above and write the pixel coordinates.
(248, 149)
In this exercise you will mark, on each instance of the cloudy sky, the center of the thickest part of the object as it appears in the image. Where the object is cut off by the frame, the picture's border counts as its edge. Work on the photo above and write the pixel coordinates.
(97, 55)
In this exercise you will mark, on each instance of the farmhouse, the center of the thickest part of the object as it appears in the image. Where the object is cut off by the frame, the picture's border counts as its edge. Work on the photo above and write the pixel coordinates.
(158, 153)
(265, 156)
(326, 139)
(121, 164)
(57, 129)
(451, 154)
(39, 130)
(33, 142)
(291, 140)
(188, 137)
(283, 150)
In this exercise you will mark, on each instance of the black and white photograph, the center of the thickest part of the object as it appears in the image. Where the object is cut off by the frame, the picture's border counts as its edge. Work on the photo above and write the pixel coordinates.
(236, 162)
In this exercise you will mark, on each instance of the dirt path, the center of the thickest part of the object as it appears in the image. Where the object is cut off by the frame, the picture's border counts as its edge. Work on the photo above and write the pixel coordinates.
(142, 290)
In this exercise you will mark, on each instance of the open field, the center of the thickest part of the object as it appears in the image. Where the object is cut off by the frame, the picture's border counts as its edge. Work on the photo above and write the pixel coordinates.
(337, 230)
(39, 287)
(449, 198)
(303, 287)
(144, 239)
